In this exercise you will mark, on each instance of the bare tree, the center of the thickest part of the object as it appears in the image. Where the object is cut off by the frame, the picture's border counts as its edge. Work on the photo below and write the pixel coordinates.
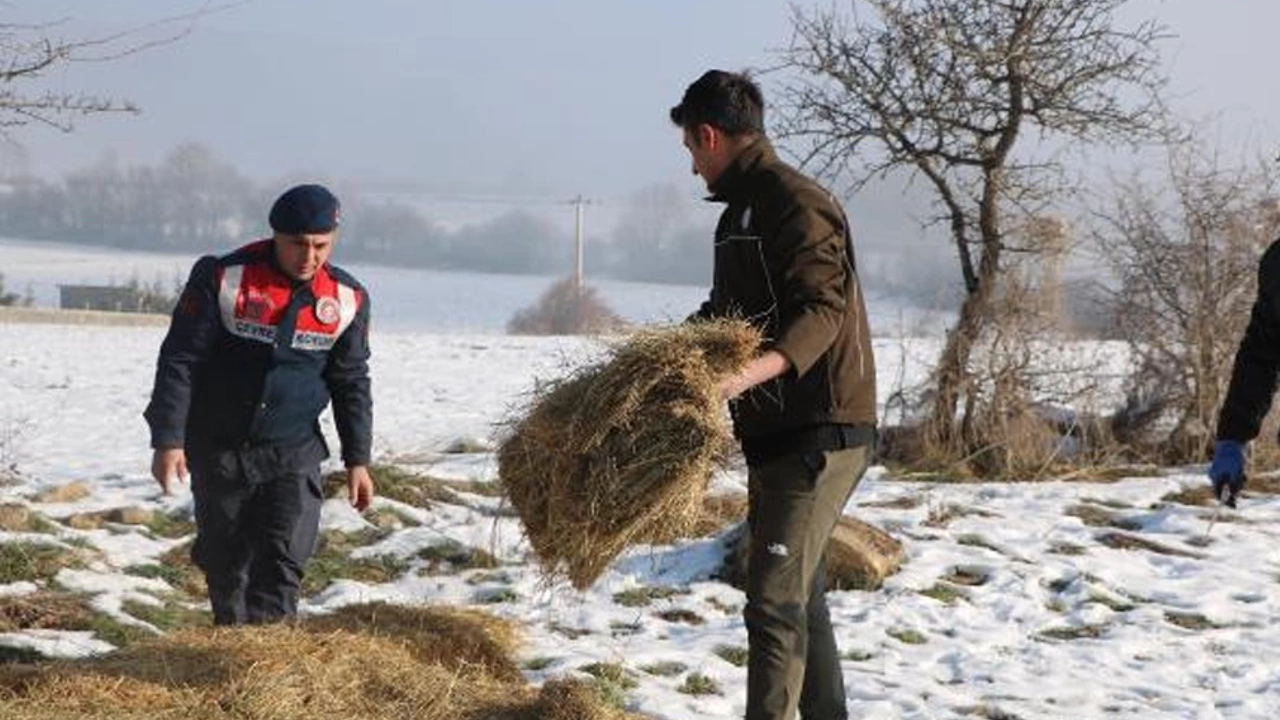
(968, 96)
(29, 52)
(1185, 253)
(7, 298)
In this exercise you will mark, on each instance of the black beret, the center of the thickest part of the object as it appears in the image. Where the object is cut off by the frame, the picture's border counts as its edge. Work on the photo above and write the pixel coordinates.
(305, 210)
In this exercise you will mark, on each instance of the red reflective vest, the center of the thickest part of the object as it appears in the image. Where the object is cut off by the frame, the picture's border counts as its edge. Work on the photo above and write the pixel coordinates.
(253, 357)
(252, 299)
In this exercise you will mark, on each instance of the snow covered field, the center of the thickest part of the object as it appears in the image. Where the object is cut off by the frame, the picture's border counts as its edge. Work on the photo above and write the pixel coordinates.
(1013, 602)
(404, 299)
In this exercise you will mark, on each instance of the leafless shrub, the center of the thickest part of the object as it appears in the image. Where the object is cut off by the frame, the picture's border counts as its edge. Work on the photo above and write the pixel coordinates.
(1185, 251)
(566, 309)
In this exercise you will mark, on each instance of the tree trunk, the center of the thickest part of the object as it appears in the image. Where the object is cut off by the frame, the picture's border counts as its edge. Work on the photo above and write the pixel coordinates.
(953, 366)
(953, 382)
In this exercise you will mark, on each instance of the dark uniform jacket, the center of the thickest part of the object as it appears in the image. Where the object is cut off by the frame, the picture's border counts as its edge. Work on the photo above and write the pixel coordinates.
(784, 261)
(253, 357)
(1253, 379)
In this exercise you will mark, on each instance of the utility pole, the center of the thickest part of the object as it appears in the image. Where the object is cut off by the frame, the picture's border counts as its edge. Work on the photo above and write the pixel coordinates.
(578, 243)
(579, 236)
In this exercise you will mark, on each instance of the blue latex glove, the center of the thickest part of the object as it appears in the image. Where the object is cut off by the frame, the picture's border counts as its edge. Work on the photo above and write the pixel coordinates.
(1227, 471)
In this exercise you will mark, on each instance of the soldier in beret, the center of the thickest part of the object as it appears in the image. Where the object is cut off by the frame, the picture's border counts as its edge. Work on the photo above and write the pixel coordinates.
(261, 341)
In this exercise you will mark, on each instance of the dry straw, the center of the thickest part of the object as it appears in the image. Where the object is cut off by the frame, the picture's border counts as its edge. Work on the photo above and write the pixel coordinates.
(368, 663)
(620, 452)
(458, 638)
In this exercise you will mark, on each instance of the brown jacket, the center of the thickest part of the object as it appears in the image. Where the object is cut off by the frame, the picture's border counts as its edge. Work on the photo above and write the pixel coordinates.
(784, 261)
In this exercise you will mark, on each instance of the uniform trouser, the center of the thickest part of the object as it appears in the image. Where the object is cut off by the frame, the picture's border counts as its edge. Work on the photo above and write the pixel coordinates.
(792, 661)
(257, 516)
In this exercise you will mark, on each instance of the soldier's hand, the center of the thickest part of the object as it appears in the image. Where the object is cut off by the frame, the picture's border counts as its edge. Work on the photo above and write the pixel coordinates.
(359, 487)
(168, 465)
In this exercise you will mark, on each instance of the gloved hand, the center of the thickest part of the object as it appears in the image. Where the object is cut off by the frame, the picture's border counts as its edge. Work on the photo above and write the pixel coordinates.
(1227, 471)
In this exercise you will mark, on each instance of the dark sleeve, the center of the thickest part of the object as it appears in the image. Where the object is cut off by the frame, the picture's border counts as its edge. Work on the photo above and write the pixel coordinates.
(704, 311)
(347, 376)
(193, 331)
(811, 246)
(707, 310)
(1253, 378)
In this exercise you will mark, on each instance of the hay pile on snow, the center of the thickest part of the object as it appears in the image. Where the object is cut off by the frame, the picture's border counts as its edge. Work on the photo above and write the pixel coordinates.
(374, 662)
(619, 453)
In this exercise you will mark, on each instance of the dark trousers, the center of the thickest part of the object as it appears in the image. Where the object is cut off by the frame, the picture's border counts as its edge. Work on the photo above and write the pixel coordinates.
(257, 516)
(792, 662)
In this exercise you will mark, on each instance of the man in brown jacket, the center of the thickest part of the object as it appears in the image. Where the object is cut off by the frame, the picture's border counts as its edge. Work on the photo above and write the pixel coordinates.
(804, 410)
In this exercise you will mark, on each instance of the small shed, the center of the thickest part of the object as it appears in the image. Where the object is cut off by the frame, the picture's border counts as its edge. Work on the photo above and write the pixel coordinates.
(112, 298)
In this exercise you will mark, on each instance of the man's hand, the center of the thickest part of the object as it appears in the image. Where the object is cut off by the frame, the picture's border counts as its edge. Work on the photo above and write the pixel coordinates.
(167, 465)
(1227, 471)
(763, 369)
(359, 487)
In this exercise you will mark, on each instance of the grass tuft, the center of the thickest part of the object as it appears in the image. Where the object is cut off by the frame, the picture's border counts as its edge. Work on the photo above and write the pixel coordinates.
(1125, 541)
(1059, 547)
(171, 614)
(1191, 621)
(680, 615)
(698, 684)
(120, 634)
(539, 664)
(665, 668)
(171, 525)
(974, 540)
(395, 483)
(1076, 632)
(967, 576)
(903, 502)
(497, 596)
(645, 595)
(907, 635)
(333, 561)
(1112, 603)
(944, 593)
(455, 556)
(35, 561)
(735, 655)
(44, 610)
(613, 673)
(1096, 516)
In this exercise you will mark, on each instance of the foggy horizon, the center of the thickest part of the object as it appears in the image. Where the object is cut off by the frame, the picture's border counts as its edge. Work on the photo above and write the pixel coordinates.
(471, 112)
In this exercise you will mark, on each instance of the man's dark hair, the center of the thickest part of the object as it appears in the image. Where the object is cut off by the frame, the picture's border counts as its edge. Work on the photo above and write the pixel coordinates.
(728, 101)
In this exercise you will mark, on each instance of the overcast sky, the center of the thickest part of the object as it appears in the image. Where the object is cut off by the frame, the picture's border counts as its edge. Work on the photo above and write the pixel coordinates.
(551, 97)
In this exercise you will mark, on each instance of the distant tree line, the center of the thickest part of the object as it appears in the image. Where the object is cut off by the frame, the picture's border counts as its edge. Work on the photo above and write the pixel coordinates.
(192, 201)
(8, 299)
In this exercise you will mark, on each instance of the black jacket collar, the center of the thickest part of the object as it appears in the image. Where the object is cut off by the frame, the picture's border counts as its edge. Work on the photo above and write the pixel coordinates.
(735, 182)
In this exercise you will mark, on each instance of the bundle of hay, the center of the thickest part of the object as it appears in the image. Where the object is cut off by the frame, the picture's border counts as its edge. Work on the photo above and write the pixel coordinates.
(619, 453)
